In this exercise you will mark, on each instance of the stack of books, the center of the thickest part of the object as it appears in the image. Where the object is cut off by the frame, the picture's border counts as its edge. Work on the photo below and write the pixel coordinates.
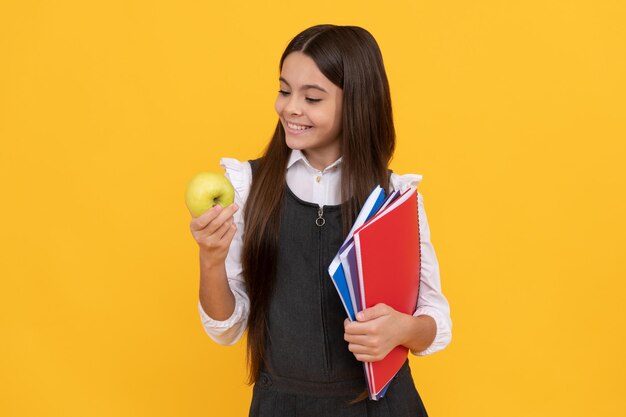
(379, 262)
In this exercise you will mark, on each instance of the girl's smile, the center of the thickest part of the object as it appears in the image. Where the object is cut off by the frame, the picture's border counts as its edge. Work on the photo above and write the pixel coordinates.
(296, 129)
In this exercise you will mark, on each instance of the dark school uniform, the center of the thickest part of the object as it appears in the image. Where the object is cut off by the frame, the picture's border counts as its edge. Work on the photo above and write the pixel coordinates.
(309, 369)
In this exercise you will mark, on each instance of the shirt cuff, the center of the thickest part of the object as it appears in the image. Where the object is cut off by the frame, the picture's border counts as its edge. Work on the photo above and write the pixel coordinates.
(225, 332)
(444, 331)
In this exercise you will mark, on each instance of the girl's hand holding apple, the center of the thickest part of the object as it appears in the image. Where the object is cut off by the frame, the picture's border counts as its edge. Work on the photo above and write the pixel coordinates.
(213, 231)
(209, 198)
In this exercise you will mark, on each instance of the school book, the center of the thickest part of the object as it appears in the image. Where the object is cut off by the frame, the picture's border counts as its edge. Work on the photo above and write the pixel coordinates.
(388, 266)
(345, 274)
(348, 259)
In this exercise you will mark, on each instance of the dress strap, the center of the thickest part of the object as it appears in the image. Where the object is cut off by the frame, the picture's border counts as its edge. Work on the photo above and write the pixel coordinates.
(254, 164)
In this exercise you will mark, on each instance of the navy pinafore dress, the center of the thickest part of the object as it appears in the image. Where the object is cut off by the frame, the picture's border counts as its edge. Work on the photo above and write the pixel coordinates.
(310, 371)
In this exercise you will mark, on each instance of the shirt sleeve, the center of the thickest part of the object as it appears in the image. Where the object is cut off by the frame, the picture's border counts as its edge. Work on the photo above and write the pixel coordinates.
(229, 331)
(431, 301)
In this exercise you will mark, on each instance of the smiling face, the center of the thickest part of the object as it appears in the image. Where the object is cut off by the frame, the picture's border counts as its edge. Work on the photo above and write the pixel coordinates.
(309, 106)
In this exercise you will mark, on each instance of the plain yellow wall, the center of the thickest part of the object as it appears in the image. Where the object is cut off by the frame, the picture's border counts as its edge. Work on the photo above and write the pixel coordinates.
(513, 112)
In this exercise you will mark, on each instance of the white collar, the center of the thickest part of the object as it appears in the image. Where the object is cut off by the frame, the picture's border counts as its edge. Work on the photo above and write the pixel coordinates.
(297, 155)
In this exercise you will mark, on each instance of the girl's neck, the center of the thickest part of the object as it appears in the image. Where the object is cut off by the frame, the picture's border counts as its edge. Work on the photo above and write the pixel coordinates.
(320, 162)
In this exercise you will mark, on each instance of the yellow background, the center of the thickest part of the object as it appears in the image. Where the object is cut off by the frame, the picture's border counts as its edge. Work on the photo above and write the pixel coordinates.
(514, 113)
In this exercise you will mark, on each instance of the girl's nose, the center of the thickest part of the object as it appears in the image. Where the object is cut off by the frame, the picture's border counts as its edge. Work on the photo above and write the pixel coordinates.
(292, 106)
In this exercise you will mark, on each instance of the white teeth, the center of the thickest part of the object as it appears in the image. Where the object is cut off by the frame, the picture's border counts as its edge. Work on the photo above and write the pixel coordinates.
(297, 127)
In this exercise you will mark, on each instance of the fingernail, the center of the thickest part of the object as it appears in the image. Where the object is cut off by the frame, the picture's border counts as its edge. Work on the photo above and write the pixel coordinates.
(359, 316)
(235, 206)
(217, 207)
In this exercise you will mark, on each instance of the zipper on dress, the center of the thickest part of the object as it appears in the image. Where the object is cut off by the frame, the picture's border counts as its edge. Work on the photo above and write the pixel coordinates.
(320, 222)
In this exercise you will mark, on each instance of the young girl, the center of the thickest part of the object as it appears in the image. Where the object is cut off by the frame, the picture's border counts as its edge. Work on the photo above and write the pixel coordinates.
(265, 268)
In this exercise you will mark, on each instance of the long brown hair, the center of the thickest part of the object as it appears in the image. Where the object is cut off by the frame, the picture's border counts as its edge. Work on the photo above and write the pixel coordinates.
(351, 59)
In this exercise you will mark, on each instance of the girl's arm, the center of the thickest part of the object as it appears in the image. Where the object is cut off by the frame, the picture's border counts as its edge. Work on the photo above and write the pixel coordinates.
(224, 303)
(216, 298)
(213, 231)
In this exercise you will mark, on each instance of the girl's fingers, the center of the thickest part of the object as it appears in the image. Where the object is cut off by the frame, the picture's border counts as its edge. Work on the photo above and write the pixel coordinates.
(355, 327)
(356, 348)
(364, 350)
(359, 339)
(220, 240)
(230, 233)
(365, 353)
(211, 220)
(367, 358)
(223, 230)
(205, 218)
(373, 312)
(224, 216)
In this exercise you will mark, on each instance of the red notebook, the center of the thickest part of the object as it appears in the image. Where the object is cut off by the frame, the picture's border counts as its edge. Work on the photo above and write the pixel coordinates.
(388, 261)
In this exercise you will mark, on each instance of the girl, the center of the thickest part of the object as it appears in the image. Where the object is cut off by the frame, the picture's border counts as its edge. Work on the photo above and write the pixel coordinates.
(266, 269)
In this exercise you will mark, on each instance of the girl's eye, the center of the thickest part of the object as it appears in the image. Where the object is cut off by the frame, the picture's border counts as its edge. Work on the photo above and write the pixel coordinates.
(311, 100)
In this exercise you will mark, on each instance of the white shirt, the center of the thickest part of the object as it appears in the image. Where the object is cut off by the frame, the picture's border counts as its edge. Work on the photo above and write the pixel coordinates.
(324, 188)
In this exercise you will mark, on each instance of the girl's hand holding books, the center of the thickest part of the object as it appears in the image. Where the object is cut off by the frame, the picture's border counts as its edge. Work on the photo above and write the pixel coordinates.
(213, 231)
(376, 332)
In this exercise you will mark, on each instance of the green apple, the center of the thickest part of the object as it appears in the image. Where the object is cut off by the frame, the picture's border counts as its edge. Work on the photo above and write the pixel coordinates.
(207, 189)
